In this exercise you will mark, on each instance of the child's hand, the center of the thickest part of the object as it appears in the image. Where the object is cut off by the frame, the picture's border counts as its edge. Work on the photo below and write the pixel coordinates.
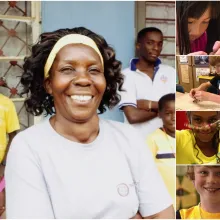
(202, 96)
(193, 92)
(216, 48)
(197, 53)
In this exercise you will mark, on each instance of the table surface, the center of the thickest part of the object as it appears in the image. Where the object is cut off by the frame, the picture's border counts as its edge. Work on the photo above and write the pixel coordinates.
(185, 102)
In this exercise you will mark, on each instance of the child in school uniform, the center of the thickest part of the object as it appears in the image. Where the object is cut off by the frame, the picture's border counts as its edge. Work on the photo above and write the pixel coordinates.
(162, 142)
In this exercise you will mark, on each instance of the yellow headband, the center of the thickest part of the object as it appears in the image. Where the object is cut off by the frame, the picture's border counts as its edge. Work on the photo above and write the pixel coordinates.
(69, 39)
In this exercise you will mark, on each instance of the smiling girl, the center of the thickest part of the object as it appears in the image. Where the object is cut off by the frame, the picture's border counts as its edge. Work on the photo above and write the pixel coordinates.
(200, 143)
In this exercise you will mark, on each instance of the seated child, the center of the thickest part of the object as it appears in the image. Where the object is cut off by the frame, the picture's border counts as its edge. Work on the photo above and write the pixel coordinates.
(200, 143)
(200, 93)
(206, 180)
(162, 142)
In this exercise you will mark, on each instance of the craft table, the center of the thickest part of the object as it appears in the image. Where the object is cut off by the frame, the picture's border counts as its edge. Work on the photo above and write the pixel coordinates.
(185, 102)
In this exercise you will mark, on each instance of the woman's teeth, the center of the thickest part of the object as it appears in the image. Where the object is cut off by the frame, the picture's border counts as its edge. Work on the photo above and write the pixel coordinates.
(81, 97)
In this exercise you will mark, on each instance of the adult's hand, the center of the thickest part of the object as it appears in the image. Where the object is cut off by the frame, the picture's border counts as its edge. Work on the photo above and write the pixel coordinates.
(143, 104)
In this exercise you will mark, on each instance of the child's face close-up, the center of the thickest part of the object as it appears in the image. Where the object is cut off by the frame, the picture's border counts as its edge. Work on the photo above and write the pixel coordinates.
(167, 115)
(207, 182)
(196, 27)
(202, 121)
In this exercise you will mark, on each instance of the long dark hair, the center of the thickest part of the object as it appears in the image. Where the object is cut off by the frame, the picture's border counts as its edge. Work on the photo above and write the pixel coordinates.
(195, 9)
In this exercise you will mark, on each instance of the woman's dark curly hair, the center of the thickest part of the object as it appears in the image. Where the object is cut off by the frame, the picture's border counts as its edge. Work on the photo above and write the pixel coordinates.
(195, 9)
(33, 76)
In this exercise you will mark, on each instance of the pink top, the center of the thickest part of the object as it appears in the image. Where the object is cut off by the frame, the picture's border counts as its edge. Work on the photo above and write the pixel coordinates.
(199, 44)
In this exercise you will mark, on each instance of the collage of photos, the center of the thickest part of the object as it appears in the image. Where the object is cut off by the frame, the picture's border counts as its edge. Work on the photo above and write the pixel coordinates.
(110, 109)
(197, 110)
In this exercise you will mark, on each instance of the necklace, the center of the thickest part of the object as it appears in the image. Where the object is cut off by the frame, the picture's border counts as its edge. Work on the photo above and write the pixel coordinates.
(168, 139)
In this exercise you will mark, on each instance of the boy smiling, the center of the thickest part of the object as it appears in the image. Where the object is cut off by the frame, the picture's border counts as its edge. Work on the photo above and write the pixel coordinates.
(206, 180)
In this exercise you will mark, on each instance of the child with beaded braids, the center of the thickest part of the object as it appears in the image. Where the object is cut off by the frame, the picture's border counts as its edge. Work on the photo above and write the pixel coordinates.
(200, 143)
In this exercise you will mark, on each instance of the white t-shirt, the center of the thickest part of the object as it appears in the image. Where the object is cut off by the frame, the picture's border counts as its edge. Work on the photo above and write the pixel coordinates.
(139, 85)
(48, 176)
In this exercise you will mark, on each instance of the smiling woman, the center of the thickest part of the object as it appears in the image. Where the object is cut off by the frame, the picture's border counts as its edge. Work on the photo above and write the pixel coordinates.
(75, 165)
(77, 85)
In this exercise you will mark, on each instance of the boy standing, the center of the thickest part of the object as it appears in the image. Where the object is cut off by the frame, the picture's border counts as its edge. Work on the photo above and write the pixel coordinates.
(162, 142)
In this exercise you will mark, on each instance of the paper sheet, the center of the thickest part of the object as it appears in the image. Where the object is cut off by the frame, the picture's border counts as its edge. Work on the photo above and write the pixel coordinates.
(183, 59)
(202, 72)
(184, 71)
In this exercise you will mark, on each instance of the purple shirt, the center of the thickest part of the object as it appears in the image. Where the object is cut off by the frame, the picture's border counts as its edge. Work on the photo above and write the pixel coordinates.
(199, 44)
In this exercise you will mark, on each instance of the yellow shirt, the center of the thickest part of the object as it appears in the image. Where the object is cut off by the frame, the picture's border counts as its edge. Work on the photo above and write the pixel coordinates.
(187, 152)
(196, 212)
(162, 144)
(8, 122)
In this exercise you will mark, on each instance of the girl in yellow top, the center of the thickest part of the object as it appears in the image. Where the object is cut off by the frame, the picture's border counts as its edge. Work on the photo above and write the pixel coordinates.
(200, 144)
(206, 180)
(162, 143)
(9, 124)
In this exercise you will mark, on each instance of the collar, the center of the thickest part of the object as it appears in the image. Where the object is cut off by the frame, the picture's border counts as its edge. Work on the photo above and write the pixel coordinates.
(134, 61)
